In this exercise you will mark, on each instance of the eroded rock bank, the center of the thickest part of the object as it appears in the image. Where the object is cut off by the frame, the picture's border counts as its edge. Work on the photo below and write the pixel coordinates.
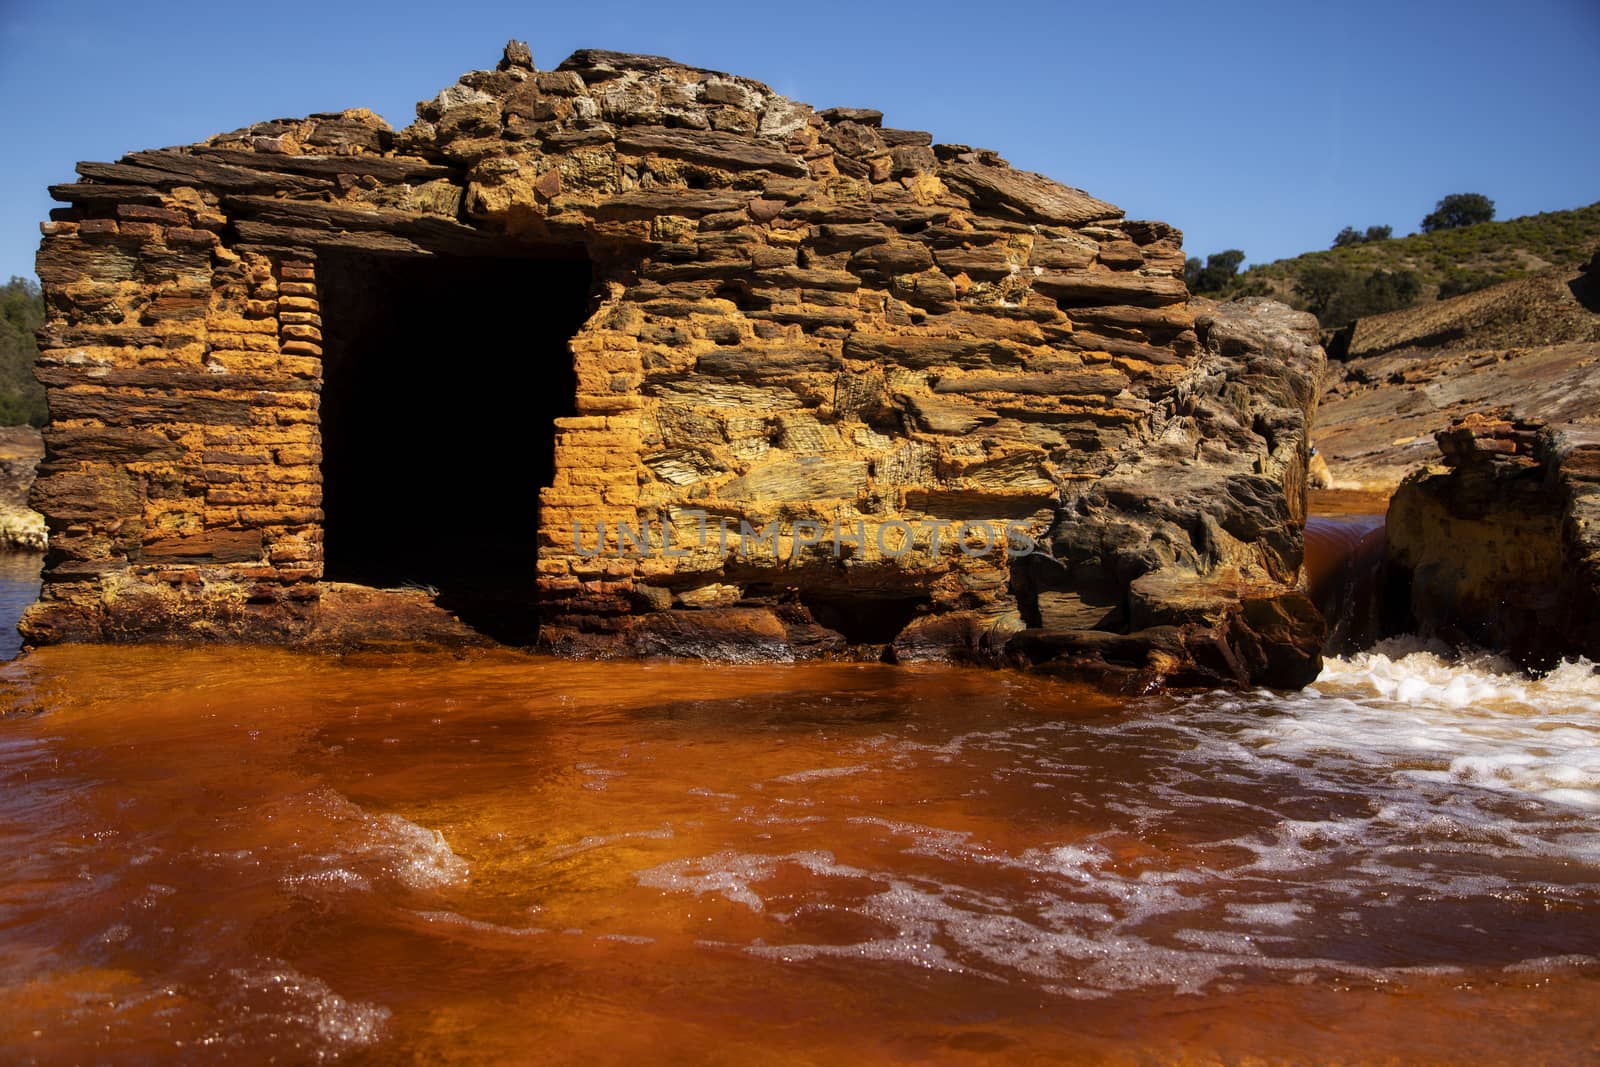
(1184, 562)
(1500, 548)
(21, 528)
(1481, 414)
(962, 410)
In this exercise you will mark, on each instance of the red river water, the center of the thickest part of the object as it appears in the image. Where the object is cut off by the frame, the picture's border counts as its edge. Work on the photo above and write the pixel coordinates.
(251, 855)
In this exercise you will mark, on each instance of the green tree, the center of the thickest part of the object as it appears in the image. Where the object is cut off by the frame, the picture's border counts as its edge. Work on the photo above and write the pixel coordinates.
(1347, 237)
(1318, 285)
(1352, 236)
(21, 313)
(1388, 290)
(1337, 295)
(1457, 210)
(1221, 268)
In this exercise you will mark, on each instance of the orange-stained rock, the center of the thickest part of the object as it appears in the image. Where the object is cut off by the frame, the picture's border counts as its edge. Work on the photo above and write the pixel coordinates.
(831, 372)
(1500, 548)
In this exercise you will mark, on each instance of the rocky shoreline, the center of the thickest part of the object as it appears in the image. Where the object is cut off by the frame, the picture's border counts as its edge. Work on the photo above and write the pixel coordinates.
(1481, 416)
(1500, 548)
(21, 528)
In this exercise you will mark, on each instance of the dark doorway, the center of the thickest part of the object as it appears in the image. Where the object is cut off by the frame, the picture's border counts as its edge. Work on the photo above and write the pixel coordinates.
(864, 619)
(441, 376)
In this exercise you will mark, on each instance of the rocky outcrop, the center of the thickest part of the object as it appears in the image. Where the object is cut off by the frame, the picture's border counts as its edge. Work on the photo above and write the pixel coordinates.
(836, 386)
(1500, 548)
(21, 528)
(1403, 376)
(1189, 551)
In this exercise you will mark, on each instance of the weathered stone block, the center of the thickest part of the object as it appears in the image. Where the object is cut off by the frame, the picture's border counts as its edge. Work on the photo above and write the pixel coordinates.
(797, 318)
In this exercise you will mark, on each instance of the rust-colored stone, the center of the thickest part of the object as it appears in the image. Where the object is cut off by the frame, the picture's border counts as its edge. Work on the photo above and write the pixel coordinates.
(1502, 549)
(801, 322)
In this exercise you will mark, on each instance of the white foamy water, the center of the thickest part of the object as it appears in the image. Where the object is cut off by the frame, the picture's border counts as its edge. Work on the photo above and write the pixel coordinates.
(1367, 827)
(367, 845)
(419, 856)
(321, 1024)
(1477, 722)
(451, 919)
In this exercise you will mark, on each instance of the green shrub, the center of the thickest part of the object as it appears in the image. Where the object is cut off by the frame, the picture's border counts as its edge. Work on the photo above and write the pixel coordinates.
(1458, 281)
(21, 313)
(1352, 236)
(1450, 261)
(1219, 272)
(1337, 295)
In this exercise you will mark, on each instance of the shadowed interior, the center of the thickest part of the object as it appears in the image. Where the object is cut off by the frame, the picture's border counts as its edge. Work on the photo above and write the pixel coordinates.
(441, 378)
(864, 619)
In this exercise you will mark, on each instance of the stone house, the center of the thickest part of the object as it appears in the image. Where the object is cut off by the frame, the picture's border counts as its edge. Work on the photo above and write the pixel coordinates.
(632, 357)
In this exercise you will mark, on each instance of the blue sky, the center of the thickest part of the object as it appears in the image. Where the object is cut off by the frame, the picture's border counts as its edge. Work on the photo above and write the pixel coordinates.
(1260, 126)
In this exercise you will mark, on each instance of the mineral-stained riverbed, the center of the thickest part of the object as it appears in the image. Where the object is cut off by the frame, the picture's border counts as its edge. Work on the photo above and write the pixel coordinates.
(230, 855)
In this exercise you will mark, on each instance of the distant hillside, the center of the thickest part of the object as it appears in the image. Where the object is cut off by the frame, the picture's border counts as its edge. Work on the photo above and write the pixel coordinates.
(1530, 346)
(1556, 306)
(1342, 284)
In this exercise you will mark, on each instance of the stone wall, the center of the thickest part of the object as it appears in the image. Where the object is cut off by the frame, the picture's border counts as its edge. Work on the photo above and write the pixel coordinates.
(802, 321)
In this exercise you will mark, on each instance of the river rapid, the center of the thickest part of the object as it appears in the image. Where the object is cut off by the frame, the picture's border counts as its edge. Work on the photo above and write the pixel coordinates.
(254, 855)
